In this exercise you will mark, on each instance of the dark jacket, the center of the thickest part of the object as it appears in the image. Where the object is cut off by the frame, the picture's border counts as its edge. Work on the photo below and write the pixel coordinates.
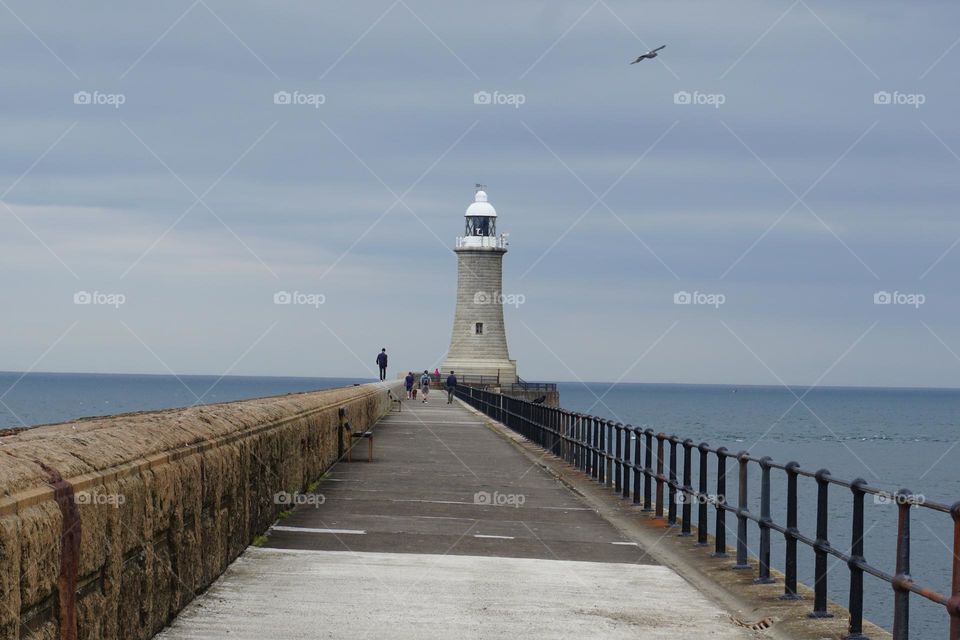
(382, 360)
(409, 381)
(451, 380)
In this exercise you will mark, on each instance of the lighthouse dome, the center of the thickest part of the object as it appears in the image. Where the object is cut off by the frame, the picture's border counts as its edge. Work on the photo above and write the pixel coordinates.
(480, 206)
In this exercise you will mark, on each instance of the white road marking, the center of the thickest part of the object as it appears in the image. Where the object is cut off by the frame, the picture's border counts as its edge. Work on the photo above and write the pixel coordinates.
(427, 422)
(349, 532)
(626, 544)
(480, 535)
(475, 504)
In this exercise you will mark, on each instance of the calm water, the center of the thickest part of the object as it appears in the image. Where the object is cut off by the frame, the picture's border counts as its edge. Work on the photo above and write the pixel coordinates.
(891, 437)
(42, 398)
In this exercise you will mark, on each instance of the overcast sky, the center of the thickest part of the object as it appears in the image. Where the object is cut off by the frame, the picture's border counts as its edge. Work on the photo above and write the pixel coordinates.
(751, 163)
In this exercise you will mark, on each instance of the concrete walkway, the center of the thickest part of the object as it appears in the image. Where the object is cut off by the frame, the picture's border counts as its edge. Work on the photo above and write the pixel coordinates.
(450, 532)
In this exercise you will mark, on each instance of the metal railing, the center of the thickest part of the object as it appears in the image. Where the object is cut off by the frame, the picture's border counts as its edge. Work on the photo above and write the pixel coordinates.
(608, 451)
(466, 379)
(523, 385)
(494, 381)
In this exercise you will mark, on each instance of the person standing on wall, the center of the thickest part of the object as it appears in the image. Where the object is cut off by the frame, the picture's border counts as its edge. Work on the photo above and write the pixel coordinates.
(451, 386)
(382, 363)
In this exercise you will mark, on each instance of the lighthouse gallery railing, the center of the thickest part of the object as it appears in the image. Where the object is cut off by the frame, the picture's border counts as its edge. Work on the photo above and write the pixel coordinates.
(602, 449)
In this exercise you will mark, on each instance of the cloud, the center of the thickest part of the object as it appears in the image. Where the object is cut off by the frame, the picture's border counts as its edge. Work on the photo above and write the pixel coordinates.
(302, 191)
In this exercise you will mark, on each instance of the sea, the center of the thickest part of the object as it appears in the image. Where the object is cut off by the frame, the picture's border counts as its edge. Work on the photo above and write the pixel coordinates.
(892, 438)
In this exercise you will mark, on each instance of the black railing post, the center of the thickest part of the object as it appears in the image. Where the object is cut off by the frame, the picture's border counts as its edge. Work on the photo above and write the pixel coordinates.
(595, 443)
(625, 467)
(953, 604)
(687, 487)
(637, 474)
(560, 433)
(618, 453)
(821, 546)
(608, 453)
(743, 509)
(672, 484)
(574, 444)
(702, 497)
(660, 438)
(765, 521)
(790, 537)
(563, 434)
(604, 456)
(902, 579)
(720, 532)
(578, 429)
(648, 471)
(856, 562)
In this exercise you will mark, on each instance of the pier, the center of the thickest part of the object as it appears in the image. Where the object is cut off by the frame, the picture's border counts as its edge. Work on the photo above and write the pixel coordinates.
(450, 532)
(491, 517)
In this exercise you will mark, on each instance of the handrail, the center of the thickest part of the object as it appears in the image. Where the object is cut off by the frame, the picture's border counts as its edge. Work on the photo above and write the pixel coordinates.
(601, 449)
(494, 381)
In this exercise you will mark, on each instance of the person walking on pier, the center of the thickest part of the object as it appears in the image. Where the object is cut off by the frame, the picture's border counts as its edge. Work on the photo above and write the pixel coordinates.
(408, 383)
(425, 384)
(451, 386)
(382, 363)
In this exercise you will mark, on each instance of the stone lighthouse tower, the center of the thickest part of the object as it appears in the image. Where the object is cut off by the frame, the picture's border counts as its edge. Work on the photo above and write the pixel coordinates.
(478, 345)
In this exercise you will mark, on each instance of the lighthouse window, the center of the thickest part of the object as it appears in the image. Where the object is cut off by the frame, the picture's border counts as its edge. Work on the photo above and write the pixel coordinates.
(481, 226)
(479, 329)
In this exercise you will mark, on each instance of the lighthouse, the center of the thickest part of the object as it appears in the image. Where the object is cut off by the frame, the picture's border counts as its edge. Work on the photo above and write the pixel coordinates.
(478, 346)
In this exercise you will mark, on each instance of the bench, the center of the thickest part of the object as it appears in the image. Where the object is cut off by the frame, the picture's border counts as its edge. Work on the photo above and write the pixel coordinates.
(345, 425)
(394, 401)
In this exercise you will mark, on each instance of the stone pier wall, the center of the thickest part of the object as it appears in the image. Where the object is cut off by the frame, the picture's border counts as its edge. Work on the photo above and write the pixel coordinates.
(110, 526)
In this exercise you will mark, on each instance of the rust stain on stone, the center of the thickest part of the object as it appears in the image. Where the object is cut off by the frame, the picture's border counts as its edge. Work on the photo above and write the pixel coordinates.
(69, 551)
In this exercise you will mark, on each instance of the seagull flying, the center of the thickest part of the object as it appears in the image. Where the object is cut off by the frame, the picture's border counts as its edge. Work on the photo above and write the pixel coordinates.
(649, 55)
